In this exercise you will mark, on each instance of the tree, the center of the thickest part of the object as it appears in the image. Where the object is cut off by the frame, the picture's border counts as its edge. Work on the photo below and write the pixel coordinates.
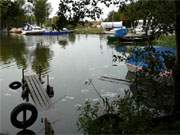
(11, 13)
(158, 15)
(41, 10)
(74, 11)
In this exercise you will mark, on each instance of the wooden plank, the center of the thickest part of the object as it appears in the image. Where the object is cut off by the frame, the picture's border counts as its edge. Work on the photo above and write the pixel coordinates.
(117, 79)
(32, 93)
(36, 91)
(41, 91)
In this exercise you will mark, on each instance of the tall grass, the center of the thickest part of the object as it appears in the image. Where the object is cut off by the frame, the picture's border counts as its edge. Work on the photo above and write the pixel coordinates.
(167, 41)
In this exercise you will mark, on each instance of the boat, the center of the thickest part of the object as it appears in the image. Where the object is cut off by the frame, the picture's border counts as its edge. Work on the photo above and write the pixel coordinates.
(130, 39)
(115, 28)
(51, 33)
(32, 30)
(138, 60)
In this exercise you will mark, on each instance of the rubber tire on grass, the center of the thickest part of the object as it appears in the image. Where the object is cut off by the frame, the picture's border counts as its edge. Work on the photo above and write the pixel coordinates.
(20, 108)
(15, 85)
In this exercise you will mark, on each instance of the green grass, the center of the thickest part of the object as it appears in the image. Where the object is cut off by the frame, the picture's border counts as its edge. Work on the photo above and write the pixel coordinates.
(167, 41)
(88, 30)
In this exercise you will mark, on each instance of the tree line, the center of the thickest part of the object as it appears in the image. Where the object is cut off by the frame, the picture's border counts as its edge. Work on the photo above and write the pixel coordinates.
(159, 15)
(18, 12)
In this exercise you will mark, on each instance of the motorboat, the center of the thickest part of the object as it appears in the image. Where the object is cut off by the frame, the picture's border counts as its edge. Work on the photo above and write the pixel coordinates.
(32, 30)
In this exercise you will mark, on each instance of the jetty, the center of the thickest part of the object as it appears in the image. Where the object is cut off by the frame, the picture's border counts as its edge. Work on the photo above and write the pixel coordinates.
(33, 86)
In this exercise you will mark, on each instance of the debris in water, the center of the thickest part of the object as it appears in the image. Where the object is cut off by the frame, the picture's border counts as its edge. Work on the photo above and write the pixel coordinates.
(109, 94)
(95, 100)
(7, 94)
(63, 100)
(85, 91)
(77, 105)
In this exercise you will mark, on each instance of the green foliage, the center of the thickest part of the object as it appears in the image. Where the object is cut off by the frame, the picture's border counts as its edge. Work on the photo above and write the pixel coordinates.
(11, 13)
(169, 41)
(87, 30)
(158, 15)
(128, 117)
(150, 96)
(41, 11)
(73, 12)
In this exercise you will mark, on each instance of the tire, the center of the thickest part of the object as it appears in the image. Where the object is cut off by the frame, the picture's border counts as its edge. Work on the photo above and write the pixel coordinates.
(20, 108)
(26, 132)
(15, 85)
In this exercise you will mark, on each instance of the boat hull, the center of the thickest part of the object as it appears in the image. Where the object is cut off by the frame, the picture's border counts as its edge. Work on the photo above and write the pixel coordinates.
(39, 32)
(51, 33)
(130, 39)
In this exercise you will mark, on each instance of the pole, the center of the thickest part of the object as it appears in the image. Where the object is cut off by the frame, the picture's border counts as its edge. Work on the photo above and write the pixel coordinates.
(176, 72)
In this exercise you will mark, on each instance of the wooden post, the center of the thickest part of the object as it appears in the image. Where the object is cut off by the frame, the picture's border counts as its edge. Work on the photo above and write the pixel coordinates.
(176, 72)
(27, 97)
(48, 128)
(23, 79)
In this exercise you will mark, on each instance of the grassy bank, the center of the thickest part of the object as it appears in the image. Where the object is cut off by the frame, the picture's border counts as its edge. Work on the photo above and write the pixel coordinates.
(88, 30)
(168, 41)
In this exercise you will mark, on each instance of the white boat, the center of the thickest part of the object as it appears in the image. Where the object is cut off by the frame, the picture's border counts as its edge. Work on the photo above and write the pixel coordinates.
(111, 25)
(32, 30)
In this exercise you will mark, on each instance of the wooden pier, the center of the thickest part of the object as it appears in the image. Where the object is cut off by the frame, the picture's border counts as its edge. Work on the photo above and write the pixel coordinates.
(34, 87)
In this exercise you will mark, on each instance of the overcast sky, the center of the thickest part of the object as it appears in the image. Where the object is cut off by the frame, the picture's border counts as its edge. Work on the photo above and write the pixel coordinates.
(55, 4)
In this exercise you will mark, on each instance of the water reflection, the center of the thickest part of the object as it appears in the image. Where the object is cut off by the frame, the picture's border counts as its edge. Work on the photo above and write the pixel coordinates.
(30, 51)
(41, 57)
(12, 50)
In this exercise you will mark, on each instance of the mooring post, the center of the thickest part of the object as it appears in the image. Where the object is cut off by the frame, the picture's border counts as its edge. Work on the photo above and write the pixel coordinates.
(40, 70)
(23, 79)
(27, 97)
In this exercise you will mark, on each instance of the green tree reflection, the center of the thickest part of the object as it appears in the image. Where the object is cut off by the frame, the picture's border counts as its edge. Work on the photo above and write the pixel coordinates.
(12, 49)
(42, 55)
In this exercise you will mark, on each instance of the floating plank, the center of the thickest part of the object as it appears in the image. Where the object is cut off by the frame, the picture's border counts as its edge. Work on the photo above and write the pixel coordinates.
(112, 78)
(37, 92)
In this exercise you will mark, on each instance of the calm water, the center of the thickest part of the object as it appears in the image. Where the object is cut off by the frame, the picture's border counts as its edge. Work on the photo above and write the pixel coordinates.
(69, 60)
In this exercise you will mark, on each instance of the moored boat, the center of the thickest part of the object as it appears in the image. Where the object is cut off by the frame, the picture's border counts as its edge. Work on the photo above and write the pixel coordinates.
(32, 30)
(51, 33)
(130, 39)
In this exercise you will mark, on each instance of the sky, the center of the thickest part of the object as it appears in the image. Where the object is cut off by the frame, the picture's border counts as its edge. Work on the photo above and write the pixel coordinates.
(55, 4)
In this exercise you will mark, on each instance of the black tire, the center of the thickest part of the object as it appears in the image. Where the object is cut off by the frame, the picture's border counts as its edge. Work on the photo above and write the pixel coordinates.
(26, 132)
(20, 108)
(15, 85)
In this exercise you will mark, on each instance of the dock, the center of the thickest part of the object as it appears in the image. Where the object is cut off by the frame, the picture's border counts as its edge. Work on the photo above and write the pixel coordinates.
(34, 87)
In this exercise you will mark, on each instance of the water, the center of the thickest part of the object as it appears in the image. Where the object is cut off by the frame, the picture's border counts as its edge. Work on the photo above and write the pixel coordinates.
(69, 60)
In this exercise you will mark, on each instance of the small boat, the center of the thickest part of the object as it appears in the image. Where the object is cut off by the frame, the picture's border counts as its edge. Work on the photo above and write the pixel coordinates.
(32, 30)
(130, 39)
(139, 58)
(117, 32)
